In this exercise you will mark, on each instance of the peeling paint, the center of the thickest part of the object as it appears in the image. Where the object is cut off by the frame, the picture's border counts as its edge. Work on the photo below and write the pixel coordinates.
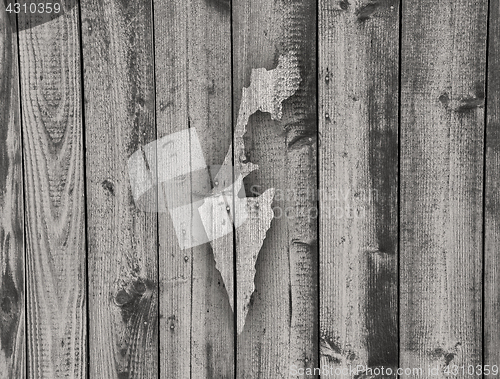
(251, 236)
(266, 93)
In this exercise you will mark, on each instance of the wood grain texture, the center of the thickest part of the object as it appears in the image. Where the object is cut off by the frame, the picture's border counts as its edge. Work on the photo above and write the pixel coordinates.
(492, 196)
(358, 157)
(281, 327)
(12, 307)
(193, 90)
(119, 120)
(54, 192)
(442, 131)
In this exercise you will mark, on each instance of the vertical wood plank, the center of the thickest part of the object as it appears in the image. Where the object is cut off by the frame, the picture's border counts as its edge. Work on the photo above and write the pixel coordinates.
(54, 187)
(281, 328)
(492, 196)
(209, 111)
(193, 90)
(175, 272)
(358, 122)
(12, 305)
(119, 120)
(442, 130)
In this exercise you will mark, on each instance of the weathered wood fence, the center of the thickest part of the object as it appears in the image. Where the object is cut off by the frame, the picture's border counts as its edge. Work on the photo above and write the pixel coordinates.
(380, 140)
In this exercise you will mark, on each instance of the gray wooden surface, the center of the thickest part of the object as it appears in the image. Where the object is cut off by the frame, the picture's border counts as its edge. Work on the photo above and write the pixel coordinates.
(53, 165)
(193, 90)
(281, 328)
(119, 108)
(12, 263)
(443, 72)
(358, 125)
(491, 337)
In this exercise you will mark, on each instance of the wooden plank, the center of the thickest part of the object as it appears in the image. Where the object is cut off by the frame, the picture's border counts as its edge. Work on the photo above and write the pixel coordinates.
(492, 196)
(442, 130)
(193, 90)
(54, 188)
(12, 306)
(281, 328)
(175, 272)
(119, 120)
(358, 157)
